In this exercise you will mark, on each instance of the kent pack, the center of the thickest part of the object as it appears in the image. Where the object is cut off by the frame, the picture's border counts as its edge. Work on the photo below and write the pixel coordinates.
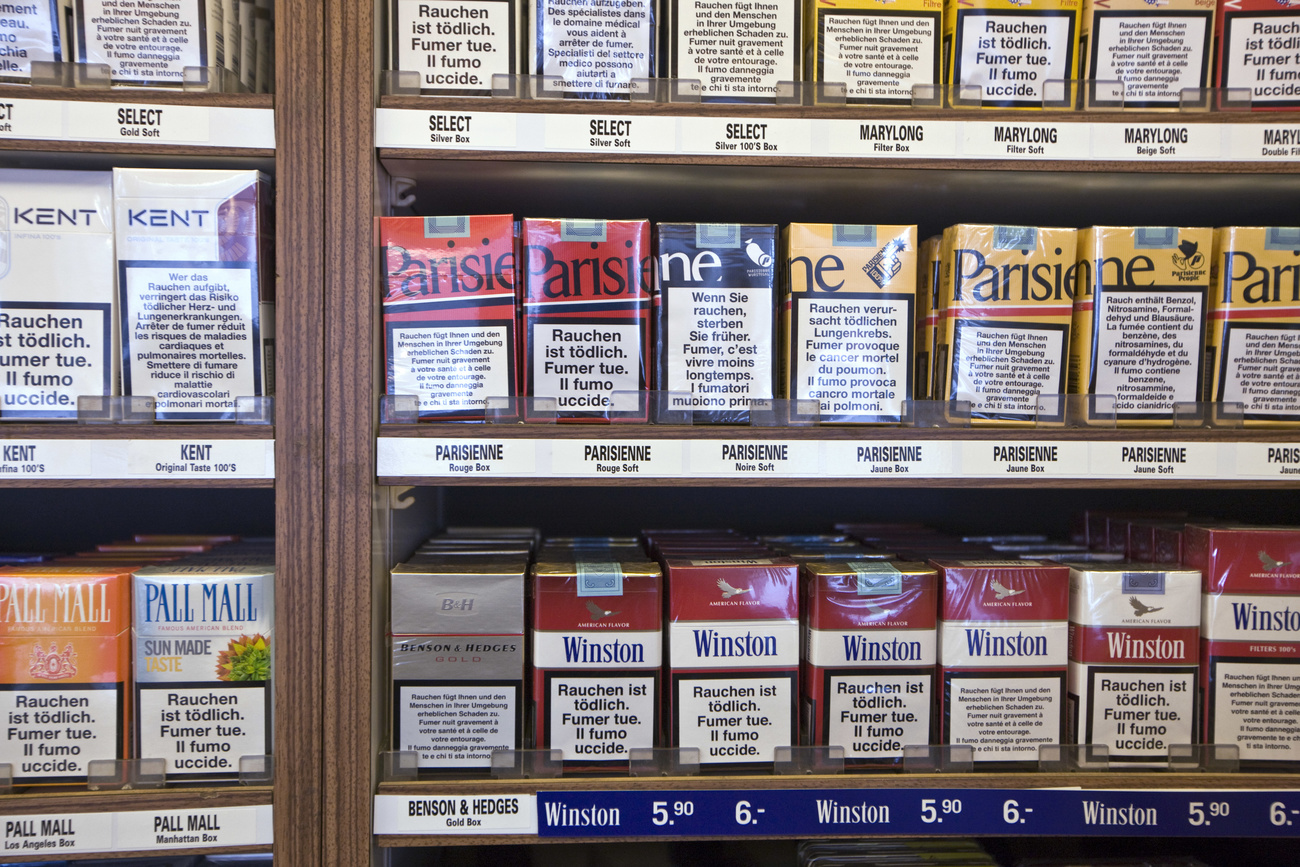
(449, 311)
(715, 308)
(848, 319)
(204, 640)
(587, 316)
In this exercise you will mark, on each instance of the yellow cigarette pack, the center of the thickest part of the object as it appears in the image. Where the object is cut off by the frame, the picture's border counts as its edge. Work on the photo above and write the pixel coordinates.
(927, 317)
(848, 319)
(1156, 49)
(1018, 53)
(879, 49)
(1253, 356)
(1006, 323)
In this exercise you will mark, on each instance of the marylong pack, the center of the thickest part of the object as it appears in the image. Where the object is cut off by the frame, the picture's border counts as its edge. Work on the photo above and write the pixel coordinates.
(1012, 53)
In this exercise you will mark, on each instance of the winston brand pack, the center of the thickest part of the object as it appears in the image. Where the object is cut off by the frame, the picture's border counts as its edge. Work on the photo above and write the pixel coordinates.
(1003, 653)
(1006, 326)
(848, 319)
(879, 49)
(1253, 356)
(739, 50)
(1250, 638)
(1011, 50)
(733, 657)
(456, 46)
(196, 285)
(587, 314)
(593, 49)
(449, 310)
(204, 659)
(149, 44)
(58, 338)
(1134, 646)
(597, 656)
(869, 658)
(457, 632)
(1140, 303)
(65, 666)
(1257, 50)
(715, 306)
(1157, 50)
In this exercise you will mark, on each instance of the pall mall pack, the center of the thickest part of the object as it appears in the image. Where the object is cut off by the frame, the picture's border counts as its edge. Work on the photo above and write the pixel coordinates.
(450, 312)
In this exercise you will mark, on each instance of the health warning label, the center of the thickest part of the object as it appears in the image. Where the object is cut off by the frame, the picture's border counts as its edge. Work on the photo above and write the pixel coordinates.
(581, 366)
(143, 42)
(202, 729)
(595, 45)
(28, 34)
(719, 345)
(54, 734)
(50, 355)
(455, 45)
(1011, 56)
(1139, 712)
(737, 48)
(1261, 370)
(853, 355)
(1002, 369)
(600, 719)
(1260, 54)
(1148, 349)
(879, 58)
(1156, 56)
(451, 368)
(1256, 705)
(875, 715)
(1004, 718)
(456, 726)
(739, 719)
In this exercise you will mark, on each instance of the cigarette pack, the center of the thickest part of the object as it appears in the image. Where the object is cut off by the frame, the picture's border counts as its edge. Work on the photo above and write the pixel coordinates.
(31, 31)
(1253, 351)
(1156, 50)
(142, 47)
(929, 314)
(65, 669)
(1134, 648)
(1257, 51)
(587, 316)
(594, 50)
(1006, 323)
(848, 319)
(869, 654)
(733, 657)
(196, 284)
(450, 310)
(715, 307)
(204, 661)
(1003, 654)
(456, 46)
(1140, 304)
(58, 307)
(879, 50)
(738, 51)
(1250, 623)
(597, 657)
(457, 634)
(1018, 53)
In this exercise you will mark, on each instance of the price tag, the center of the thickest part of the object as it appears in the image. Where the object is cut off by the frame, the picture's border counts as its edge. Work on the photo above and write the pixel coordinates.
(142, 122)
(744, 458)
(51, 459)
(622, 459)
(893, 138)
(1025, 459)
(579, 133)
(1267, 142)
(207, 459)
(1154, 460)
(57, 833)
(1024, 141)
(746, 136)
(31, 118)
(1156, 142)
(878, 459)
(447, 458)
(1264, 461)
(190, 829)
(448, 814)
(473, 130)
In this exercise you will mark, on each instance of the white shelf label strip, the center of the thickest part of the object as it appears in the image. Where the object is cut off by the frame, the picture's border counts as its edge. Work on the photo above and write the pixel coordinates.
(138, 123)
(1043, 138)
(43, 834)
(447, 814)
(137, 459)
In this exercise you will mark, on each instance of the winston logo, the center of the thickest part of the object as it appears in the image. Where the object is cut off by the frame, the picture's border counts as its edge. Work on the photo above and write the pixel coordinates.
(579, 649)
(1140, 608)
(1270, 564)
(728, 591)
(859, 649)
(709, 642)
(597, 612)
(53, 665)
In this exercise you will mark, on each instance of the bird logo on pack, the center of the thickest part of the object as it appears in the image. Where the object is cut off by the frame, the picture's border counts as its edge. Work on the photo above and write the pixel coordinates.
(1004, 592)
(728, 591)
(1270, 564)
(1140, 608)
(597, 612)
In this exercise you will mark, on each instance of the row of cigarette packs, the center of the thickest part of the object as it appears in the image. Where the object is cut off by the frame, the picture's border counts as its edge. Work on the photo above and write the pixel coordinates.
(722, 643)
(859, 318)
(157, 648)
(144, 44)
(995, 53)
(153, 282)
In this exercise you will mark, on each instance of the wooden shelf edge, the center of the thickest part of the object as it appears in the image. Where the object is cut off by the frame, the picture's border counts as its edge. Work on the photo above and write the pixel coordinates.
(150, 95)
(73, 801)
(72, 431)
(142, 853)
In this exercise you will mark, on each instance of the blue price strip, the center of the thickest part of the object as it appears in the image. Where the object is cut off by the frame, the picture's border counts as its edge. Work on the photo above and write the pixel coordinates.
(965, 812)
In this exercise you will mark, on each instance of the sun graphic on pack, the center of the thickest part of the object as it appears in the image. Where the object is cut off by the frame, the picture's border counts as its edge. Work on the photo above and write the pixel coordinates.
(1188, 257)
(247, 658)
